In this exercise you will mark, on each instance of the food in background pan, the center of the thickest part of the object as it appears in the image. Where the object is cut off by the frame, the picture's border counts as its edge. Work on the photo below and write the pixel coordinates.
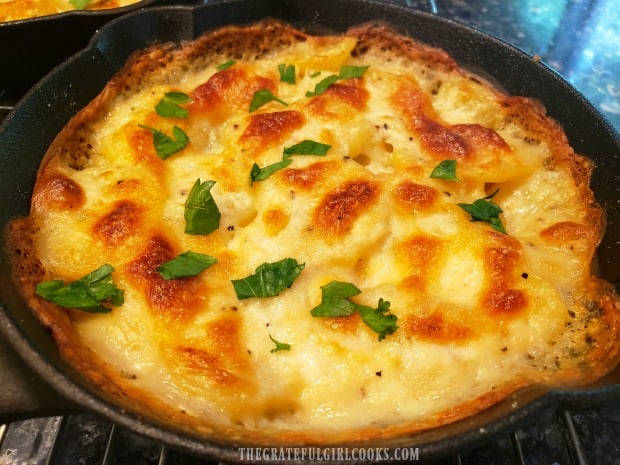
(315, 238)
(13, 10)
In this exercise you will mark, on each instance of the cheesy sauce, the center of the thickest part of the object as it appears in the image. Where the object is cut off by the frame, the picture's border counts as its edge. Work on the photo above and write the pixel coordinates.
(480, 311)
(13, 10)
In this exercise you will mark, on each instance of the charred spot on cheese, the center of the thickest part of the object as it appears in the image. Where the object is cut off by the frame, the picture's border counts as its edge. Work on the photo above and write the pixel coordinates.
(339, 100)
(434, 327)
(516, 310)
(174, 299)
(310, 176)
(500, 300)
(345, 325)
(60, 192)
(119, 223)
(501, 261)
(419, 252)
(568, 231)
(351, 93)
(440, 140)
(222, 361)
(501, 256)
(459, 141)
(208, 365)
(420, 119)
(413, 196)
(478, 137)
(417, 256)
(339, 209)
(141, 143)
(268, 129)
(226, 91)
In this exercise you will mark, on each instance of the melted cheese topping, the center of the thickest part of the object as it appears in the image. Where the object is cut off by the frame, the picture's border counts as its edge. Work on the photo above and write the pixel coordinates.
(480, 313)
(13, 10)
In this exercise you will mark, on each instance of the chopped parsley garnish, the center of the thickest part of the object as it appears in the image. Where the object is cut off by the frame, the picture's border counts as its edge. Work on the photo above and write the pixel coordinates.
(307, 147)
(166, 146)
(260, 174)
(378, 319)
(185, 265)
(287, 73)
(202, 216)
(350, 72)
(346, 72)
(323, 85)
(170, 105)
(279, 345)
(93, 293)
(80, 4)
(225, 65)
(336, 303)
(445, 170)
(269, 280)
(263, 97)
(485, 210)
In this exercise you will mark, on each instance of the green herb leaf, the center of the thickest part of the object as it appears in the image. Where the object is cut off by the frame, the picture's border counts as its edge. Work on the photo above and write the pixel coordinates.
(279, 345)
(169, 105)
(260, 174)
(307, 147)
(185, 265)
(335, 303)
(445, 170)
(323, 85)
(335, 300)
(346, 72)
(93, 293)
(80, 4)
(202, 215)
(166, 146)
(263, 97)
(225, 65)
(350, 72)
(287, 73)
(269, 279)
(378, 319)
(485, 210)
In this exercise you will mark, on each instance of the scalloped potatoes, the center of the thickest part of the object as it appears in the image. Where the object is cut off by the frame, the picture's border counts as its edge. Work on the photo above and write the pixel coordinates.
(412, 244)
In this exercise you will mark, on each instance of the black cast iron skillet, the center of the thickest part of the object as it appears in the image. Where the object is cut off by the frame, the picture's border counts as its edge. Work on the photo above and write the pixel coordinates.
(50, 386)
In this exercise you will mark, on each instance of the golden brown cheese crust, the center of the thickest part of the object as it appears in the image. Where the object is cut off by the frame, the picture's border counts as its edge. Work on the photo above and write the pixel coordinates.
(485, 311)
(13, 10)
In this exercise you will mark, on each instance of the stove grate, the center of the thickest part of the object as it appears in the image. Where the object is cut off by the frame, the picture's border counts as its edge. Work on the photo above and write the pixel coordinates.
(553, 438)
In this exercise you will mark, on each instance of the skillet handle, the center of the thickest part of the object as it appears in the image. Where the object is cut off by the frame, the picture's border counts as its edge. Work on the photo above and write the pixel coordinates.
(23, 394)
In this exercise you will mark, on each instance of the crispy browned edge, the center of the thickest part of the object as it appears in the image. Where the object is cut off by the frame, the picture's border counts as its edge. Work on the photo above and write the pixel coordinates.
(249, 42)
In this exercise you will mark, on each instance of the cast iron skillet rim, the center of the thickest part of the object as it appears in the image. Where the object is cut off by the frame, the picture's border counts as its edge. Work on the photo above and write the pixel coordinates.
(164, 433)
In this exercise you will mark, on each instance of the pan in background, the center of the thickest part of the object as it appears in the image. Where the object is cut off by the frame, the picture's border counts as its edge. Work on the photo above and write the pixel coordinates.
(50, 104)
(29, 48)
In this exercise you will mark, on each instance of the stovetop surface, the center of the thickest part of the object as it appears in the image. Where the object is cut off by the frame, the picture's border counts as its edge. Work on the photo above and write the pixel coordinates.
(580, 39)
